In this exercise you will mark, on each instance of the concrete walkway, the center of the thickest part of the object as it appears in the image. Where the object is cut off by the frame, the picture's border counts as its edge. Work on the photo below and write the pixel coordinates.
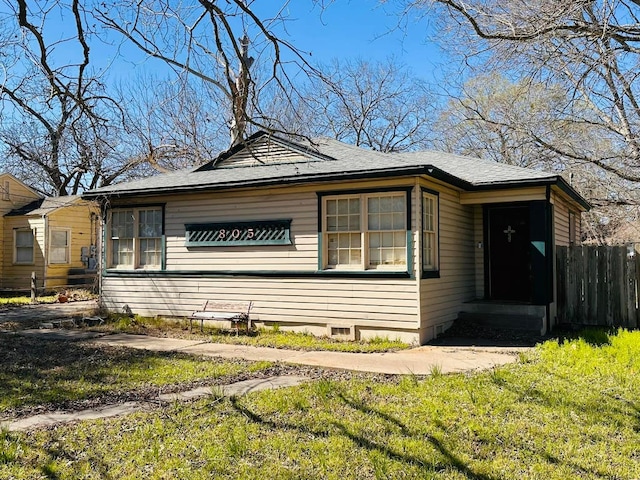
(418, 361)
(116, 410)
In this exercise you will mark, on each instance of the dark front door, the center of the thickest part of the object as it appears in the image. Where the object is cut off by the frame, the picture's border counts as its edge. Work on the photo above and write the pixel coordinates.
(509, 253)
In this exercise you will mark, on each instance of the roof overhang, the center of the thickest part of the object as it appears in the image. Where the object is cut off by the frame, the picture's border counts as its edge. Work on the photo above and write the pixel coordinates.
(392, 172)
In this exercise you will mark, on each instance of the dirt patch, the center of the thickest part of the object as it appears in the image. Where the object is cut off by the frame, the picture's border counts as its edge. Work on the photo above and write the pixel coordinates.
(28, 359)
(21, 317)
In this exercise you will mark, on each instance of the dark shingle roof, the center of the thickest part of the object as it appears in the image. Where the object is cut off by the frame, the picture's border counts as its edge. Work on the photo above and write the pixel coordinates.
(44, 206)
(327, 160)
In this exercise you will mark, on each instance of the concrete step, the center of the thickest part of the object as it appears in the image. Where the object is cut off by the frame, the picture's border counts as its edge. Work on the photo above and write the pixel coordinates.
(506, 321)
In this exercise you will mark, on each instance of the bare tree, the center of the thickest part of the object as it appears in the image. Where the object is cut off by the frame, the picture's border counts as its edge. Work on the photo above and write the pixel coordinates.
(589, 48)
(211, 41)
(377, 105)
(54, 123)
(174, 125)
(501, 120)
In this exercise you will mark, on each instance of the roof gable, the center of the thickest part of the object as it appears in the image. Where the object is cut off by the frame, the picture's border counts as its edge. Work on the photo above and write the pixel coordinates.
(264, 149)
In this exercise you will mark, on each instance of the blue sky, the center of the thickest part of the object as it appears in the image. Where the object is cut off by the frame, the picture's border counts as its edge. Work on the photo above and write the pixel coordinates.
(364, 29)
(345, 29)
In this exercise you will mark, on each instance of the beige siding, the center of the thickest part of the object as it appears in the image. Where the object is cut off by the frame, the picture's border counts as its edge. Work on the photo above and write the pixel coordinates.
(442, 298)
(18, 276)
(261, 152)
(304, 301)
(300, 207)
(503, 196)
(561, 210)
(387, 305)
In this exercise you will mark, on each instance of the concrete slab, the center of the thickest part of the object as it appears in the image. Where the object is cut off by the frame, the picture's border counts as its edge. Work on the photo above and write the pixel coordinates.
(236, 389)
(55, 418)
(108, 411)
(417, 361)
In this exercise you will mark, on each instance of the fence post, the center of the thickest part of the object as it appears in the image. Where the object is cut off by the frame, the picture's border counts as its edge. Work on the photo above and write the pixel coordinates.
(33, 287)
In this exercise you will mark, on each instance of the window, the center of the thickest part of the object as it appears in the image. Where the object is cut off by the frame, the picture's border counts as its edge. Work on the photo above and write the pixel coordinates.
(6, 194)
(572, 228)
(23, 241)
(136, 238)
(429, 232)
(59, 243)
(366, 231)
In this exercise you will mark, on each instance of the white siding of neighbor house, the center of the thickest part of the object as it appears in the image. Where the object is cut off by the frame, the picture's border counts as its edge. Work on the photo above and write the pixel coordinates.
(388, 307)
(442, 298)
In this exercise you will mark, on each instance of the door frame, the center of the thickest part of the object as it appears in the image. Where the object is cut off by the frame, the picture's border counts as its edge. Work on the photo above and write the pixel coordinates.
(541, 244)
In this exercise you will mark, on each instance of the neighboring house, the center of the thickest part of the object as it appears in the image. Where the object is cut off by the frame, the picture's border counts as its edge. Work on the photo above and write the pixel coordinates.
(52, 237)
(332, 239)
(13, 194)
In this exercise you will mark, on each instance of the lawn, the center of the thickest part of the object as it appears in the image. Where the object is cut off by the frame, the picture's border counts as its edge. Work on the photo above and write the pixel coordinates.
(566, 410)
(64, 374)
(263, 337)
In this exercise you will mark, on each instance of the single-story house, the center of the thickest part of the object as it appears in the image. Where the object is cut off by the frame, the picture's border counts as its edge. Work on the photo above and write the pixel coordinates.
(336, 240)
(55, 237)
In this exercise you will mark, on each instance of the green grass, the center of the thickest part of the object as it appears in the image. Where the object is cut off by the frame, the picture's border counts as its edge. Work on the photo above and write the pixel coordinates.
(41, 372)
(565, 411)
(264, 337)
(26, 300)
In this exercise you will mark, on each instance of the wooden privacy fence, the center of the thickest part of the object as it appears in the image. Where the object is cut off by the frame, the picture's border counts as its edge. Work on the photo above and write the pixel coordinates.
(598, 285)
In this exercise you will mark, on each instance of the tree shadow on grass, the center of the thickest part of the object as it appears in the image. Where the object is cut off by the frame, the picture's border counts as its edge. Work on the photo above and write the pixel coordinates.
(450, 459)
(42, 374)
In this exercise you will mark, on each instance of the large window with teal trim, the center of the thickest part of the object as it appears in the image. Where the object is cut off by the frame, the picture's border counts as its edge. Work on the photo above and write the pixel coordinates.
(135, 238)
(366, 231)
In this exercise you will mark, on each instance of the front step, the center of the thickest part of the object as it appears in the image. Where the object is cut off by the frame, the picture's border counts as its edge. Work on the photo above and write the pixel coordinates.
(504, 321)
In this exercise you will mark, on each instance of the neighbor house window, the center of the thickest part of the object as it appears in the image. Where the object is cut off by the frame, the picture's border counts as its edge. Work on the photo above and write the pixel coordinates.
(366, 231)
(6, 194)
(429, 232)
(23, 241)
(136, 238)
(59, 244)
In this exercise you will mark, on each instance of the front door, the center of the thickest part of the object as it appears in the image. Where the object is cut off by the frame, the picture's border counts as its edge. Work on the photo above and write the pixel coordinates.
(509, 253)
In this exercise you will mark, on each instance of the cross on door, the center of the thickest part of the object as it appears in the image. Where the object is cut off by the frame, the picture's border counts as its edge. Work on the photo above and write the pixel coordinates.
(509, 231)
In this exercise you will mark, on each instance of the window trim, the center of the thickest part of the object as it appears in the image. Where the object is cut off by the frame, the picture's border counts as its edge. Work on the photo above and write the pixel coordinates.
(108, 240)
(15, 245)
(572, 228)
(435, 195)
(364, 266)
(67, 248)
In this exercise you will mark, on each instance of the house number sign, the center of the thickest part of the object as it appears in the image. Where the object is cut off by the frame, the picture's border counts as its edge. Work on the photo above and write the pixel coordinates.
(258, 232)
